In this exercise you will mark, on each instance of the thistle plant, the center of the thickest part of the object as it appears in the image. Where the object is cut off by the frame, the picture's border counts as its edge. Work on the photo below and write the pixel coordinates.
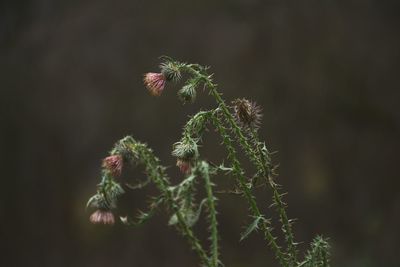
(236, 123)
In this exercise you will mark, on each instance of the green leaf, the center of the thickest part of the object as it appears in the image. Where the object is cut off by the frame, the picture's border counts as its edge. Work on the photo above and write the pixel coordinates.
(173, 220)
(318, 254)
(225, 169)
(93, 201)
(97, 201)
(193, 217)
(253, 226)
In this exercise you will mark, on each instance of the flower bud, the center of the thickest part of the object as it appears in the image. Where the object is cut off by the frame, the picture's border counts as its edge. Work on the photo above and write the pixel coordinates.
(186, 149)
(154, 82)
(187, 93)
(170, 71)
(114, 164)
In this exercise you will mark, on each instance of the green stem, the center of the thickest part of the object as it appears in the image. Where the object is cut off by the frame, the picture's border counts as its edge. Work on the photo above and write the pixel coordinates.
(256, 157)
(277, 198)
(156, 173)
(213, 214)
(257, 161)
(239, 173)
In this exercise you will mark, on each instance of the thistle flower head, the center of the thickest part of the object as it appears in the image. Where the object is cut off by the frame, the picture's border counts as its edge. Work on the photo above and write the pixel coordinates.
(114, 164)
(185, 149)
(247, 113)
(155, 83)
(197, 124)
(171, 71)
(124, 148)
(102, 217)
(184, 166)
(188, 93)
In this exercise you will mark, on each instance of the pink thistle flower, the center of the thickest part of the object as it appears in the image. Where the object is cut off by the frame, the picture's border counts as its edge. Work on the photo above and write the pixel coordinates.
(102, 217)
(114, 164)
(154, 82)
(184, 166)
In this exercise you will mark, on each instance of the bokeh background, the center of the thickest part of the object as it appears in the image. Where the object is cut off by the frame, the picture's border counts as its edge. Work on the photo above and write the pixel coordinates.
(325, 72)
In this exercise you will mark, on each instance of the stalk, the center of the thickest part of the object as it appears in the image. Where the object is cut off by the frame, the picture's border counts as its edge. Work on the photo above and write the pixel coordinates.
(156, 173)
(239, 173)
(256, 159)
(212, 214)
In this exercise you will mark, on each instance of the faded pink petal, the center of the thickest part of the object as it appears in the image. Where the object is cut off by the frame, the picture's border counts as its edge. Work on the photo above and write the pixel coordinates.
(154, 82)
(102, 217)
(114, 164)
(184, 166)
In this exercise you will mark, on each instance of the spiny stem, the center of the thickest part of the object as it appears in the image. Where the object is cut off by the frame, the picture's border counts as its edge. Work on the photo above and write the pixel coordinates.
(231, 120)
(257, 160)
(239, 173)
(277, 198)
(180, 199)
(213, 214)
(156, 172)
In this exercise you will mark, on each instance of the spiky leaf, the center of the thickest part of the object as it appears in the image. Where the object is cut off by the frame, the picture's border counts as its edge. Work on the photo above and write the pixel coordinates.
(252, 227)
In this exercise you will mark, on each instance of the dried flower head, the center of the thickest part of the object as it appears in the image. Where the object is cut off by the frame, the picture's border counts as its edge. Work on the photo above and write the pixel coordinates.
(184, 166)
(155, 83)
(247, 113)
(102, 217)
(114, 164)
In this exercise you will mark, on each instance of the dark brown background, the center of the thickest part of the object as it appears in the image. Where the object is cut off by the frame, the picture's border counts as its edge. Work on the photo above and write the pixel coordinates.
(325, 72)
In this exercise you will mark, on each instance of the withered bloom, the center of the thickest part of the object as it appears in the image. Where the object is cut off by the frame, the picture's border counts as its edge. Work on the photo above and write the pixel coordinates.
(114, 164)
(184, 166)
(155, 83)
(247, 113)
(102, 217)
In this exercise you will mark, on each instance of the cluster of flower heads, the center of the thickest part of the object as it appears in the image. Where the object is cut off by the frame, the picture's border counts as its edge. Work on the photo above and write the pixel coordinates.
(248, 117)
(248, 114)
(108, 191)
(170, 71)
(156, 82)
(186, 150)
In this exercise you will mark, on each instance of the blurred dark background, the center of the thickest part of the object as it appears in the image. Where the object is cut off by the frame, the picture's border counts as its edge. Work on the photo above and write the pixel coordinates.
(325, 72)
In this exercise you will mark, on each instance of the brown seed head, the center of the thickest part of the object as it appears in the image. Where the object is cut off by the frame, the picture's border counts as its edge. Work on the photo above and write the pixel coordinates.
(247, 113)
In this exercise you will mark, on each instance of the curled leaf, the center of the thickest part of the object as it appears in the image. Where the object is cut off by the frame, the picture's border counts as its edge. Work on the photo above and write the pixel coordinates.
(252, 227)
